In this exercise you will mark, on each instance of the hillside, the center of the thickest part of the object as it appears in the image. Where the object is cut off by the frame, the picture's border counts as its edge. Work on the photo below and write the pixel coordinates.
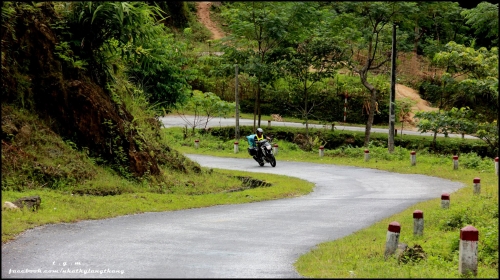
(47, 104)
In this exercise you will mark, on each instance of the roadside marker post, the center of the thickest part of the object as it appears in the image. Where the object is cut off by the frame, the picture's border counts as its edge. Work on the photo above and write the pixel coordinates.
(413, 158)
(418, 222)
(392, 240)
(477, 185)
(445, 200)
(455, 162)
(468, 250)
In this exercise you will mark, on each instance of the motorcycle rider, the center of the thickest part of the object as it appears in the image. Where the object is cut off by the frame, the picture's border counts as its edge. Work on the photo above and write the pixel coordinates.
(259, 136)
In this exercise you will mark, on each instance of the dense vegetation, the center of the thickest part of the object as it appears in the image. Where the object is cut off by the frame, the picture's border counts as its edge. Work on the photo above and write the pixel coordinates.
(83, 83)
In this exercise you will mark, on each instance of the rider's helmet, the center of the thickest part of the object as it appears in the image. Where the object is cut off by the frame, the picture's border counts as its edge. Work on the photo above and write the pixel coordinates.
(259, 130)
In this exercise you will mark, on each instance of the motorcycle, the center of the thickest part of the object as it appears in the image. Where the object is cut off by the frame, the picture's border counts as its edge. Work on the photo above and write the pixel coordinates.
(266, 155)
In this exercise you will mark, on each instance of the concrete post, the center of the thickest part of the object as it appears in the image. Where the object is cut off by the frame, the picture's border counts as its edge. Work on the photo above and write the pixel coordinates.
(367, 155)
(477, 185)
(236, 150)
(467, 255)
(445, 200)
(413, 158)
(269, 123)
(392, 240)
(418, 222)
(496, 165)
(275, 149)
(455, 162)
(321, 151)
(196, 143)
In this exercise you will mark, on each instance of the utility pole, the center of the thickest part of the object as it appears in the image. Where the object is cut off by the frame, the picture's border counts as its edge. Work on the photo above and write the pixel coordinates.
(392, 117)
(236, 99)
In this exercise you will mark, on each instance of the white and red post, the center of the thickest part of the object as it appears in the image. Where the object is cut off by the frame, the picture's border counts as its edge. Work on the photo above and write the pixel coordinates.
(477, 185)
(418, 222)
(392, 240)
(455, 162)
(367, 155)
(445, 200)
(496, 165)
(467, 255)
(236, 148)
(196, 143)
(275, 149)
(321, 151)
(413, 158)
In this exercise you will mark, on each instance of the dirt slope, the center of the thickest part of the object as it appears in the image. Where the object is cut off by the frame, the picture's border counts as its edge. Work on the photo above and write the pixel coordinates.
(203, 13)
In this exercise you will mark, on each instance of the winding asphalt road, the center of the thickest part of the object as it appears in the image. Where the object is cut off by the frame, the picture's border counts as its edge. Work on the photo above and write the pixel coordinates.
(254, 240)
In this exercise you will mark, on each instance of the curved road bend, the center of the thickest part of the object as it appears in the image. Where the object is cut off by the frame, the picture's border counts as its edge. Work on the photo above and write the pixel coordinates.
(177, 121)
(253, 240)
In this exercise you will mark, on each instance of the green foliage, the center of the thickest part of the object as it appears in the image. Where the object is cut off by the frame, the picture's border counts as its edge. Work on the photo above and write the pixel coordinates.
(156, 67)
(33, 157)
(204, 107)
(342, 140)
(95, 28)
(462, 120)
(479, 89)
(484, 20)
(64, 52)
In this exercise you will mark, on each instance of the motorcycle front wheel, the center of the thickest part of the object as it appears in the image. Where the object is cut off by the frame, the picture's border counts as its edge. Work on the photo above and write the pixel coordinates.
(272, 160)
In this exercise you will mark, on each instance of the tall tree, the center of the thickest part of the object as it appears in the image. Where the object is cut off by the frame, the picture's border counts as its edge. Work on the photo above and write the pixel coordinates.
(310, 58)
(371, 41)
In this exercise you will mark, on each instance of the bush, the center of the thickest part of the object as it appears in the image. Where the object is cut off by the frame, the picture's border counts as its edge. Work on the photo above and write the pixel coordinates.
(338, 139)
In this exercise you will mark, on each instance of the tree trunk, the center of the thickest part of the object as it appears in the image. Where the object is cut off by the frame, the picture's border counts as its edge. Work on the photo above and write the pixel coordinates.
(371, 116)
(373, 101)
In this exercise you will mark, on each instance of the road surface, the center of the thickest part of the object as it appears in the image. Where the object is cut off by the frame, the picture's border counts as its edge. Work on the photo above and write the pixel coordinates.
(177, 121)
(253, 240)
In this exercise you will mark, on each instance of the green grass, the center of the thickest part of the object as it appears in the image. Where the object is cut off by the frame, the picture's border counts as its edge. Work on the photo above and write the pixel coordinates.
(207, 189)
(361, 253)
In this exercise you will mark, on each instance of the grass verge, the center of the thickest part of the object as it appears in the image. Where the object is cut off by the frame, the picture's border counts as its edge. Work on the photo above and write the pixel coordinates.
(214, 187)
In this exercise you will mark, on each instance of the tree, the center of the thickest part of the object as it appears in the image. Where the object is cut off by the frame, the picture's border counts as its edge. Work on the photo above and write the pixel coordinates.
(203, 107)
(471, 78)
(312, 60)
(403, 110)
(369, 32)
(434, 121)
